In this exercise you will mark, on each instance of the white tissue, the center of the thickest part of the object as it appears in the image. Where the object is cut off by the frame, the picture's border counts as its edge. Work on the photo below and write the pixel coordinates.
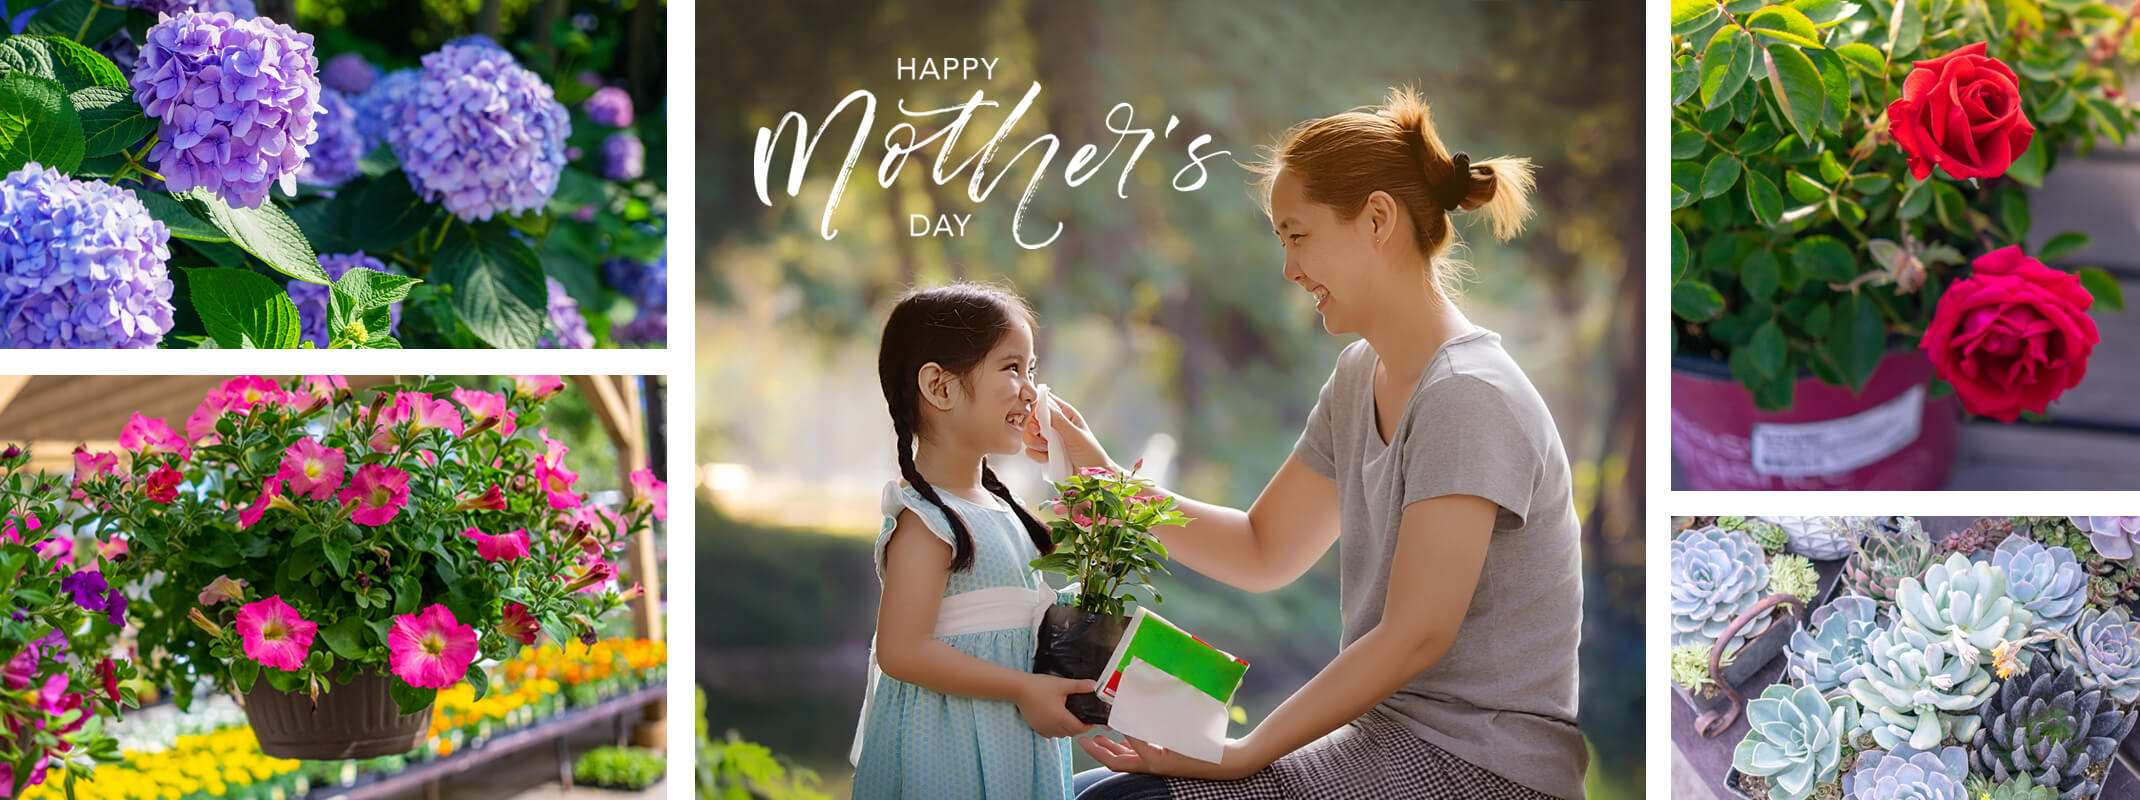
(1044, 411)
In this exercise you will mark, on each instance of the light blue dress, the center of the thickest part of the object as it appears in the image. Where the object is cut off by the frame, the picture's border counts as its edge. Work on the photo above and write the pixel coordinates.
(925, 745)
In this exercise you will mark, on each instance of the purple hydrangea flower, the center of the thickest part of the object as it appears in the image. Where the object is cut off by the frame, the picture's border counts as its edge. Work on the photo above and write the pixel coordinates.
(567, 329)
(375, 108)
(242, 9)
(480, 135)
(349, 73)
(312, 298)
(623, 157)
(609, 106)
(87, 587)
(81, 264)
(648, 286)
(334, 157)
(235, 102)
(477, 40)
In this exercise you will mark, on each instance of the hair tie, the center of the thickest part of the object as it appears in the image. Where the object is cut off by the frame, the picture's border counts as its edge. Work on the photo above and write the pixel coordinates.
(1458, 185)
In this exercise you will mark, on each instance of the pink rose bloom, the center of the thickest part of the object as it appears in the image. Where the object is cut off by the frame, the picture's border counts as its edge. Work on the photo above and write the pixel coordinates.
(430, 649)
(519, 625)
(143, 434)
(313, 470)
(537, 386)
(653, 491)
(274, 634)
(499, 547)
(486, 405)
(379, 493)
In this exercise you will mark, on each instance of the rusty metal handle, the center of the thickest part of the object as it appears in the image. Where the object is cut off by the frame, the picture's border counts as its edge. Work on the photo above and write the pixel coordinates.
(1711, 723)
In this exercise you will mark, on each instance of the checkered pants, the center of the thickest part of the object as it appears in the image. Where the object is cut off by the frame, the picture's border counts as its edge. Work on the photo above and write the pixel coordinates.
(1373, 758)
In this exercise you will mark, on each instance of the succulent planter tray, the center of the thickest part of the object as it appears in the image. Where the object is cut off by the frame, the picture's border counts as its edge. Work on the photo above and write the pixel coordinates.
(1764, 651)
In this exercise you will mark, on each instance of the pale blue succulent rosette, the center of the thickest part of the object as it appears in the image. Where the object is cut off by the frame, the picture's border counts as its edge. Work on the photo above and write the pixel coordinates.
(1909, 774)
(1830, 651)
(1717, 574)
(2105, 647)
(1794, 739)
(1915, 691)
(2048, 581)
(1964, 603)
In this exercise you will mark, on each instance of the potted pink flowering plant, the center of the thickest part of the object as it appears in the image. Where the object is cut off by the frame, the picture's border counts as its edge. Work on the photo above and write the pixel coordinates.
(62, 617)
(338, 559)
(1103, 539)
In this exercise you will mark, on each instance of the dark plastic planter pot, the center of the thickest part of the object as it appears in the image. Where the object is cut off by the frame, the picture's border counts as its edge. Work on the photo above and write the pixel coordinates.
(1890, 437)
(358, 719)
(1075, 643)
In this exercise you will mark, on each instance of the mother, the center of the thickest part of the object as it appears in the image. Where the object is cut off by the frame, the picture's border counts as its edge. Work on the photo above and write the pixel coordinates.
(1434, 465)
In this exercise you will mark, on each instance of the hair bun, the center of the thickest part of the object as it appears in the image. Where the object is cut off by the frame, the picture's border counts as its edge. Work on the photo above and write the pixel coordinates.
(1458, 185)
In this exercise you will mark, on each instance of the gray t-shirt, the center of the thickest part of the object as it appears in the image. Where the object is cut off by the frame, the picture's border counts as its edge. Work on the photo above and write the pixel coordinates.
(1504, 696)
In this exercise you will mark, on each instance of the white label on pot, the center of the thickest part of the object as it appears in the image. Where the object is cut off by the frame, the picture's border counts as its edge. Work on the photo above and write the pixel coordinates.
(1834, 446)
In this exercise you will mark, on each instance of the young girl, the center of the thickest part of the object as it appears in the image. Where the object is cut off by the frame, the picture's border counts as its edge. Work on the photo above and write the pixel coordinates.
(955, 712)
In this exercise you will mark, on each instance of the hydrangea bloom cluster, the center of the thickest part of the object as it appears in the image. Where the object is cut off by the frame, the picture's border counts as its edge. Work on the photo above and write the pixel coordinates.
(234, 100)
(565, 329)
(349, 73)
(623, 157)
(334, 157)
(480, 135)
(242, 9)
(649, 289)
(610, 106)
(81, 264)
(375, 108)
(312, 298)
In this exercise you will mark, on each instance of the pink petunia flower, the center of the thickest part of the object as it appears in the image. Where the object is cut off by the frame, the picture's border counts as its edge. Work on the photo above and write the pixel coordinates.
(492, 500)
(108, 675)
(519, 625)
(551, 473)
(314, 470)
(379, 493)
(537, 386)
(653, 491)
(221, 589)
(430, 649)
(162, 487)
(425, 413)
(597, 576)
(486, 405)
(499, 547)
(269, 491)
(245, 391)
(111, 549)
(324, 386)
(90, 466)
(9, 532)
(274, 634)
(146, 435)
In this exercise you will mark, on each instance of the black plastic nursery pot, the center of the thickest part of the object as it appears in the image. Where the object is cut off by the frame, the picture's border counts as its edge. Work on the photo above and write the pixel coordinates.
(1075, 643)
(358, 719)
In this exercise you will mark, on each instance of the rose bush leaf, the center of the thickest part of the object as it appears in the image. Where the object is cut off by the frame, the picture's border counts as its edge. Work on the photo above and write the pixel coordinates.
(1695, 301)
(1725, 64)
(1784, 25)
(1763, 196)
(1856, 339)
(2062, 245)
(1689, 16)
(2029, 167)
(1721, 174)
(1905, 30)
(2109, 295)
(1798, 89)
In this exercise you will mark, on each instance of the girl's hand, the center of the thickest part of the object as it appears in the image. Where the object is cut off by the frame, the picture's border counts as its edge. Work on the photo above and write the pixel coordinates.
(1081, 448)
(1138, 755)
(1042, 705)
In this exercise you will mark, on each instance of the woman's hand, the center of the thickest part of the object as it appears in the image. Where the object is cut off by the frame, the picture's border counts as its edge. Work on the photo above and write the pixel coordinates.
(1041, 702)
(1081, 449)
(1138, 755)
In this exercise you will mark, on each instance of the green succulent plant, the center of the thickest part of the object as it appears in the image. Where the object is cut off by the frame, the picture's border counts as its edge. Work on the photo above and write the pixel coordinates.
(1963, 602)
(1794, 576)
(1795, 739)
(2043, 727)
(1983, 789)
(1884, 558)
(1690, 668)
(1771, 536)
(1917, 691)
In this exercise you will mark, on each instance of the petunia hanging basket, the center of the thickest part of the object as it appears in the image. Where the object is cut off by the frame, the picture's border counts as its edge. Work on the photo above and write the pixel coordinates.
(357, 719)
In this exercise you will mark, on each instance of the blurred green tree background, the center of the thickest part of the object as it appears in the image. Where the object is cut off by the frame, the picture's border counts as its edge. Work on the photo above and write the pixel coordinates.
(1163, 315)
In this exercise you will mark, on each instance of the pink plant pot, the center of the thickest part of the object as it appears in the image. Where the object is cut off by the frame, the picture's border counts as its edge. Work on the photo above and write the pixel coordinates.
(1892, 436)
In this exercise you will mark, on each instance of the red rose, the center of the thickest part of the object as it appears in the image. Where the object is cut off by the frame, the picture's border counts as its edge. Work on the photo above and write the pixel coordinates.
(1960, 112)
(2012, 336)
